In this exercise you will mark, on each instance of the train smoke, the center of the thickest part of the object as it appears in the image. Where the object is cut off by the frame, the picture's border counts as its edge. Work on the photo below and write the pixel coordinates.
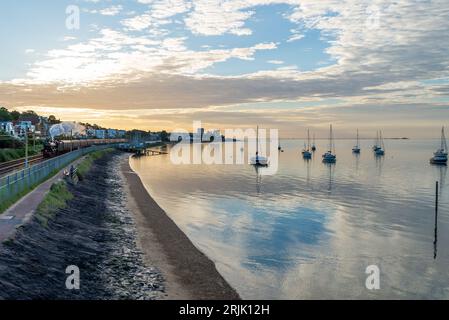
(66, 129)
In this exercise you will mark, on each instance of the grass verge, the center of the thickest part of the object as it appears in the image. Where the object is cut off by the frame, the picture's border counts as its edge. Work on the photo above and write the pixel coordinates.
(14, 154)
(59, 194)
(86, 164)
(56, 199)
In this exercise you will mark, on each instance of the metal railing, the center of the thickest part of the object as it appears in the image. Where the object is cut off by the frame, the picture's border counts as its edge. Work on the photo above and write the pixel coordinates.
(23, 180)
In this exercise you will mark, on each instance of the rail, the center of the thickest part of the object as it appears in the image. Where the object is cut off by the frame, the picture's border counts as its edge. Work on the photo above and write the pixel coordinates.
(6, 167)
(19, 182)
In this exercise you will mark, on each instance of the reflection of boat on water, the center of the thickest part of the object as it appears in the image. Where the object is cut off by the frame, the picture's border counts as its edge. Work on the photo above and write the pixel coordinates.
(330, 166)
(329, 156)
(380, 151)
(440, 156)
(258, 178)
(259, 160)
(356, 148)
(306, 153)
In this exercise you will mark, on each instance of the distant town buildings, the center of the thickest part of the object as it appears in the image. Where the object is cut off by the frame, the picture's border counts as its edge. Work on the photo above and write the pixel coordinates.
(111, 133)
(22, 127)
(7, 127)
(121, 133)
(38, 126)
(18, 125)
(100, 134)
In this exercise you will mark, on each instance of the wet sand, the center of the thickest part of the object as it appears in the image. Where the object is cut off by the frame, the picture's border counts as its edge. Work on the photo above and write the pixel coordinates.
(189, 274)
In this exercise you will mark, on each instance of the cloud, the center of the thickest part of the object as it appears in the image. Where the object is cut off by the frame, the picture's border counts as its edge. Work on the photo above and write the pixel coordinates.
(109, 11)
(215, 17)
(119, 57)
(275, 61)
(295, 37)
(380, 51)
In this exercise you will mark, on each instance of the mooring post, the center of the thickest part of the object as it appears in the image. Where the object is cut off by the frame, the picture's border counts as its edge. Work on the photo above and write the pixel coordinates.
(436, 221)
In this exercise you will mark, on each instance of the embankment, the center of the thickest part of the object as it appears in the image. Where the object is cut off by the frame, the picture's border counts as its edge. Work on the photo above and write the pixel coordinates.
(93, 231)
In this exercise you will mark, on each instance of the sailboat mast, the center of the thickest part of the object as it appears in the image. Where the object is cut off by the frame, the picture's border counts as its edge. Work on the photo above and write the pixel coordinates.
(308, 140)
(330, 141)
(358, 138)
(257, 141)
(381, 141)
(443, 140)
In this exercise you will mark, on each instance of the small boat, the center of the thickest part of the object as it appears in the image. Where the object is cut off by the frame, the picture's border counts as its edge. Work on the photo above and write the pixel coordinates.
(330, 157)
(313, 144)
(259, 160)
(306, 153)
(440, 156)
(280, 148)
(376, 142)
(380, 151)
(356, 148)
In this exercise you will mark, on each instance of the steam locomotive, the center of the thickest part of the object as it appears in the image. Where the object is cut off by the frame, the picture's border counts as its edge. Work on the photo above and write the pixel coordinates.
(53, 148)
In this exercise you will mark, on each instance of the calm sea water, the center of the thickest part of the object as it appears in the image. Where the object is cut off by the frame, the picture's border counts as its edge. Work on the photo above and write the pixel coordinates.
(311, 230)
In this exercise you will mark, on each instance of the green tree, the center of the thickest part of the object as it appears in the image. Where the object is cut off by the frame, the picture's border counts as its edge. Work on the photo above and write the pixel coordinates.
(5, 115)
(52, 120)
(15, 115)
(164, 136)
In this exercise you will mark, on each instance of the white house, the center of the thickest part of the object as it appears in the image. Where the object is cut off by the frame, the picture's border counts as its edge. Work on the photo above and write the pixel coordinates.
(121, 133)
(100, 134)
(90, 132)
(112, 133)
(7, 127)
(22, 127)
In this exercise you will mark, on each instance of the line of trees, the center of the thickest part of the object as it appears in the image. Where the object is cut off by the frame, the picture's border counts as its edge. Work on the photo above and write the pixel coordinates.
(6, 115)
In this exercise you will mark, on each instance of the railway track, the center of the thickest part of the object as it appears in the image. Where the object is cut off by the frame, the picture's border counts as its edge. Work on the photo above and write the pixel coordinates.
(11, 166)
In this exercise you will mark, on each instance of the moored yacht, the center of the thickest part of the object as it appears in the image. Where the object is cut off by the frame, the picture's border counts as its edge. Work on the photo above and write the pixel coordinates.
(330, 157)
(313, 144)
(440, 156)
(258, 160)
(380, 151)
(376, 142)
(306, 153)
(356, 148)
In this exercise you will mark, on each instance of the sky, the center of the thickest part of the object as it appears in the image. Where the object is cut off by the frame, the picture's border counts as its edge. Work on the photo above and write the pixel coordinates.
(289, 65)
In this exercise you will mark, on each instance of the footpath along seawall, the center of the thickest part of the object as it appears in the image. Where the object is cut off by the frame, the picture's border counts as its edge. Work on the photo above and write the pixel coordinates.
(16, 185)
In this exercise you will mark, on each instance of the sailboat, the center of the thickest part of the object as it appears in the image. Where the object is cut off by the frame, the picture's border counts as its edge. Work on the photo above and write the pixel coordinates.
(306, 152)
(330, 157)
(356, 148)
(440, 156)
(313, 144)
(259, 160)
(376, 142)
(280, 148)
(380, 151)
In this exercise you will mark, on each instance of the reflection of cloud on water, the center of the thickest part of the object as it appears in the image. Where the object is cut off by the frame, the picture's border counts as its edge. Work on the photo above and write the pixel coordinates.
(255, 240)
(296, 240)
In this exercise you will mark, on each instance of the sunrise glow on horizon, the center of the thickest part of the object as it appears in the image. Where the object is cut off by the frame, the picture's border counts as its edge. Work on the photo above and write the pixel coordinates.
(291, 65)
